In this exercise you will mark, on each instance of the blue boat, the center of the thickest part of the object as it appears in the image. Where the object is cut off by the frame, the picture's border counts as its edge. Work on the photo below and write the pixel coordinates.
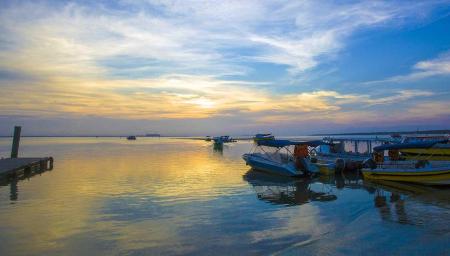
(222, 139)
(282, 157)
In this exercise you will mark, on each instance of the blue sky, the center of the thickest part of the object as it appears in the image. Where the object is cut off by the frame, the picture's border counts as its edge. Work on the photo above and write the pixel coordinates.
(211, 67)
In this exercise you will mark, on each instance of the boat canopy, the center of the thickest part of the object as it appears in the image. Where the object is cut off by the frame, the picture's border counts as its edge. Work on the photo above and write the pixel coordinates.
(262, 134)
(285, 143)
(421, 144)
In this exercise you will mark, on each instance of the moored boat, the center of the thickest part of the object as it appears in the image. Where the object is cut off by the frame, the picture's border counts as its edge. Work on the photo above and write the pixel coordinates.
(281, 157)
(440, 148)
(263, 136)
(397, 168)
(339, 154)
(223, 139)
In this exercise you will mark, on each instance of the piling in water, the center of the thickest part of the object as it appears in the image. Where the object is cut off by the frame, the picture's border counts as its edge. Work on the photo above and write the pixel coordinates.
(16, 141)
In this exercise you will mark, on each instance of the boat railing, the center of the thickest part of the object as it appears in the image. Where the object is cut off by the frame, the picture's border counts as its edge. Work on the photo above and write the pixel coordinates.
(396, 165)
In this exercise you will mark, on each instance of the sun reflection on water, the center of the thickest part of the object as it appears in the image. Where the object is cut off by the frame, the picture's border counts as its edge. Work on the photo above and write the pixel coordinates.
(175, 196)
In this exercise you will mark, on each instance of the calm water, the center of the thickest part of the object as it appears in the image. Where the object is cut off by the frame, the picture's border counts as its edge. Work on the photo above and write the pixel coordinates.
(109, 196)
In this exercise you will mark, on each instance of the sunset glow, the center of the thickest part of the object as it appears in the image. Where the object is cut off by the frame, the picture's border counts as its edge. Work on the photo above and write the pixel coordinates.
(245, 64)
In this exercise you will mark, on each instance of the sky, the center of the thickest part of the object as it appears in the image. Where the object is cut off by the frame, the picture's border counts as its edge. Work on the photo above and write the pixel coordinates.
(185, 67)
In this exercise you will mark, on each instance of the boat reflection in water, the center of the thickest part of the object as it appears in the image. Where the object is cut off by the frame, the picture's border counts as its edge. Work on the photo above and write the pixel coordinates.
(403, 202)
(285, 190)
(395, 201)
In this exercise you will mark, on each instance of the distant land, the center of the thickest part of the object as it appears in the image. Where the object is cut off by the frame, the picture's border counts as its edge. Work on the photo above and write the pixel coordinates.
(386, 133)
(190, 136)
(84, 136)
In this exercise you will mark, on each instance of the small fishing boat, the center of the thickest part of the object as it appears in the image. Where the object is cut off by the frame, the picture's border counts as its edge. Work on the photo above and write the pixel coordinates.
(208, 138)
(217, 142)
(131, 138)
(263, 136)
(333, 155)
(397, 168)
(223, 139)
(282, 157)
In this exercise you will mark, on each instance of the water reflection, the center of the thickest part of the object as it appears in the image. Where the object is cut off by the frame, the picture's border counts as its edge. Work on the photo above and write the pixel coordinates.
(349, 180)
(218, 149)
(172, 197)
(397, 191)
(394, 201)
(13, 180)
(285, 190)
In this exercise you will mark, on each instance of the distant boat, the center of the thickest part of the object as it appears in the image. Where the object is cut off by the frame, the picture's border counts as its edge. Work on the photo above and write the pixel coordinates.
(208, 138)
(396, 168)
(276, 157)
(152, 135)
(131, 138)
(263, 136)
(223, 139)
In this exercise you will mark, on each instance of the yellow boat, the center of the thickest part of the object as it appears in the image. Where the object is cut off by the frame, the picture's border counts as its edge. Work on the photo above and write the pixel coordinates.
(395, 168)
(439, 175)
(439, 149)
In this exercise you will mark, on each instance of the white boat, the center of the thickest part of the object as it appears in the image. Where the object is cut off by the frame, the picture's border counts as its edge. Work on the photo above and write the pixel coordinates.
(281, 157)
(338, 154)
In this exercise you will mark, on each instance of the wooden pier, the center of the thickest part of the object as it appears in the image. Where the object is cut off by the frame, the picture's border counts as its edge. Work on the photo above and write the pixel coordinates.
(17, 166)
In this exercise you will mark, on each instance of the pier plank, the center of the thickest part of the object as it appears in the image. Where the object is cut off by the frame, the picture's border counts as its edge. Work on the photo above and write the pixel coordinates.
(11, 165)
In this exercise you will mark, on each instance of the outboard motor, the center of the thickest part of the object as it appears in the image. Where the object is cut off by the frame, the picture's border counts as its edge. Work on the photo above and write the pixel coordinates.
(340, 165)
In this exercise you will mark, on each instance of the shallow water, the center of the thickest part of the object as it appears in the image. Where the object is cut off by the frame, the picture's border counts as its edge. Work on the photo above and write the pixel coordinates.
(109, 196)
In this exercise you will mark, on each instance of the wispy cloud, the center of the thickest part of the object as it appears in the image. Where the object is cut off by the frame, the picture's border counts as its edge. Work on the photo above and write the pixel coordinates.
(187, 36)
(172, 59)
(439, 66)
(179, 97)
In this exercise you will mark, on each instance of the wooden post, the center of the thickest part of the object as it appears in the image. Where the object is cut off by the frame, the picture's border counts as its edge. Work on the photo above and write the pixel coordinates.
(16, 140)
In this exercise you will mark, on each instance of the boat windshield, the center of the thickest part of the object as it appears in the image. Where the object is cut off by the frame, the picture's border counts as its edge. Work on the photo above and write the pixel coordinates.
(279, 155)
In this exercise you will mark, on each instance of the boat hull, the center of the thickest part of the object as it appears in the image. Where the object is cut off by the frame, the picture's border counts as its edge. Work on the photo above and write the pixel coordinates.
(352, 162)
(434, 176)
(261, 164)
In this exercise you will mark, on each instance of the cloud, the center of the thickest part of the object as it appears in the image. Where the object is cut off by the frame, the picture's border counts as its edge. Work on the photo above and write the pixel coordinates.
(439, 66)
(178, 97)
(193, 37)
(172, 59)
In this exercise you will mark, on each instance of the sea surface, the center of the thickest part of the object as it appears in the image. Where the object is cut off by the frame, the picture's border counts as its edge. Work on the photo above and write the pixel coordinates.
(167, 196)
